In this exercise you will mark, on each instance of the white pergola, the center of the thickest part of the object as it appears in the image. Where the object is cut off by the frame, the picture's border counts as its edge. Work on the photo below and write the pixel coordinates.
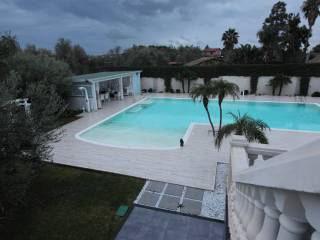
(95, 82)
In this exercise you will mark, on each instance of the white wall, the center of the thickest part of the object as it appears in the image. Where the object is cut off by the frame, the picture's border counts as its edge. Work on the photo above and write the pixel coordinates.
(176, 84)
(291, 89)
(314, 85)
(157, 84)
(287, 90)
(242, 82)
(263, 87)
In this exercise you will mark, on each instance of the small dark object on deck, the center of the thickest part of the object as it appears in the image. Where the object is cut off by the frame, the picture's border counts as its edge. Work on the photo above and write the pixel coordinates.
(181, 142)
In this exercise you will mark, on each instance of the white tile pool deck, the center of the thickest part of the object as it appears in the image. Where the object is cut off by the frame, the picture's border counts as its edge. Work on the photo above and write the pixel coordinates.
(193, 165)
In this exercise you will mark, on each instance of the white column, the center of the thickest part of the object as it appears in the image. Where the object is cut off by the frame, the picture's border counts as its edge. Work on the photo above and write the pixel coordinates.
(256, 221)
(270, 226)
(311, 204)
(249, 212)
(246, 203)
(121, 87)
(94, 96)
(98, 95)
(132, 92)
(293, 224)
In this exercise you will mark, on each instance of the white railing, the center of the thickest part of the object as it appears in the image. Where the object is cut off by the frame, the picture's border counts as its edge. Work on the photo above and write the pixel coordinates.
(275, 197)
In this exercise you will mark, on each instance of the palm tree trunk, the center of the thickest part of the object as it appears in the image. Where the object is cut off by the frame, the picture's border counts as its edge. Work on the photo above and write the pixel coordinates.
(210, 121)
(280, 89)
(220, 123)
(182, 82)
(188, 85)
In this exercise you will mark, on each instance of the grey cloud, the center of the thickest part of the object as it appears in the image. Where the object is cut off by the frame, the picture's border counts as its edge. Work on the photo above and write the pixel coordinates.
(99, 25)
(116, 34)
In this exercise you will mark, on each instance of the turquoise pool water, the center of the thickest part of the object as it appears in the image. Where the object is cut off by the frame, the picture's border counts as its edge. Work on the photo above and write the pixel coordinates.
(161, 122)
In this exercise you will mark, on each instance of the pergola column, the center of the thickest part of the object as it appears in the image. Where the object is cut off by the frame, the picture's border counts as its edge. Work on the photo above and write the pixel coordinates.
(98, 95)
(121, 87)
(94, 96)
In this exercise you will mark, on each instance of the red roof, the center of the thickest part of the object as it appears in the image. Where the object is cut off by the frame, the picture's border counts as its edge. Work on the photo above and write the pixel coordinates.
(212, 50)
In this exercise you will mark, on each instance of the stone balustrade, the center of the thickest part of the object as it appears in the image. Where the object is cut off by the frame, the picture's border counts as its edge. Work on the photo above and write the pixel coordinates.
(276, 198)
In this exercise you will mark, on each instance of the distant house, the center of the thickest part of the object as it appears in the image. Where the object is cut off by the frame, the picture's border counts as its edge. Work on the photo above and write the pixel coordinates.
(212, 52)
(315, 59)
(205, 61)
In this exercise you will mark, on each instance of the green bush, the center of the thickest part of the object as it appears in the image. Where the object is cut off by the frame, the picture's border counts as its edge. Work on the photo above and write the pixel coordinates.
(315, 94)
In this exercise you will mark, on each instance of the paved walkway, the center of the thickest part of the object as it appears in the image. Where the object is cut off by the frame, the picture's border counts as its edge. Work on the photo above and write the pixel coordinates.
(193, 165)
(187, 200)
(145, 224)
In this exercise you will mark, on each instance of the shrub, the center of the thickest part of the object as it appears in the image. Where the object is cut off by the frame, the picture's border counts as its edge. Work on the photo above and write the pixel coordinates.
(315, 94)
(254, 84)
(304, 85)
(167, 84)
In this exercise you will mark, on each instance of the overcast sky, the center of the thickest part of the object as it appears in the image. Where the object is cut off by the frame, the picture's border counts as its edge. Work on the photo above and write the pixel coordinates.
(99, 25)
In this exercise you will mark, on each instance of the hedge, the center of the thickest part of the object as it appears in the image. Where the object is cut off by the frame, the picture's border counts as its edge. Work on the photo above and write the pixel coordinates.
(300, 70)
(304, 85)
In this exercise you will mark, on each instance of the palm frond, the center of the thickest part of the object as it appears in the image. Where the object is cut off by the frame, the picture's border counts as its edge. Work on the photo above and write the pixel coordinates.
(252, 129)
(224, 132)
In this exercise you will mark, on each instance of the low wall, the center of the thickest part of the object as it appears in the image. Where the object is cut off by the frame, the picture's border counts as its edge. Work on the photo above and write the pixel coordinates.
(157, 84)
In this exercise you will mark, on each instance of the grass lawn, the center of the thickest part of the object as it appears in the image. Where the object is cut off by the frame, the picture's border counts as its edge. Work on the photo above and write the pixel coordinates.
(71, 203)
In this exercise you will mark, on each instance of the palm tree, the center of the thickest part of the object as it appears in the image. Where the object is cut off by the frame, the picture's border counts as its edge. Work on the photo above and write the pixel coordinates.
(252, 129)
(230, 38)
(222, 88)
(189, 76)
(311, 10)
(273, 83)
(185, 74)
(179, 77)
(204, 92)
(279, 81)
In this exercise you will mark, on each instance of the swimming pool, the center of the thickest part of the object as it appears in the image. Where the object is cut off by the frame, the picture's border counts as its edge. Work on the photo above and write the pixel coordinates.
(159, 123)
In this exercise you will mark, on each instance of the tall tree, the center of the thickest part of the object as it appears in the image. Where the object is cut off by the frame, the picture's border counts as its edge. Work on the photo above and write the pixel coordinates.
(25, 138)
(74, 55)
(271, 34)
(311, 11)
(43, 69)
(80, 60)
(63, 50)
(9, 46)
(296, 40)
(204, 92)
(230, 38)
(222, 88)
(282, 37)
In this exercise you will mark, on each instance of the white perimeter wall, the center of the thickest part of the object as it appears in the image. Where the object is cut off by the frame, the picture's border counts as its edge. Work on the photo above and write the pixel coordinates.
(157, 84)
(314, 85)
